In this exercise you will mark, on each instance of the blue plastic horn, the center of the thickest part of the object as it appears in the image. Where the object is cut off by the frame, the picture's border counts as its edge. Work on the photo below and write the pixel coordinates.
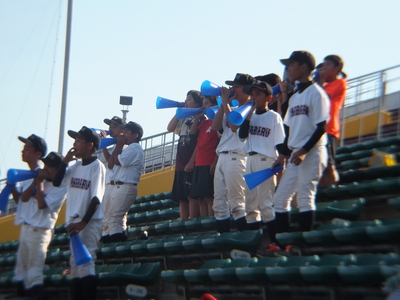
(5, 196)
(108, 132)
(105, 142)
(79, 249)
(212, 111)
(276, 89)
(167, 103)
(237, 116)
(256, 178)
(234, 102)
(17, 175)
(182, 112)
(209, 88)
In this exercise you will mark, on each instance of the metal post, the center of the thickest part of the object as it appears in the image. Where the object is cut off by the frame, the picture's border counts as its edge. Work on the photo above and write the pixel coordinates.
(381, 98)
(65, 79)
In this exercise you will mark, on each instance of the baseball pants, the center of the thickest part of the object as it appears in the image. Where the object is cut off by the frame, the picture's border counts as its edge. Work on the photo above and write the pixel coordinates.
(229, 186)
(90, 237)
(117, 201)
(302, 179)
(259, 200)
(31, 254)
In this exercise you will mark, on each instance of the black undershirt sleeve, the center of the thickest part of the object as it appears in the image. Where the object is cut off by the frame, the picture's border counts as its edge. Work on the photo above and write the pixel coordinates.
(316, 136)
(58, 178)
(283, 148)
(244, 129)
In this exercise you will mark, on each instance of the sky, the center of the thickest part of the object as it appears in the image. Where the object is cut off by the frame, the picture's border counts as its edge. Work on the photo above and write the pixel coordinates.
(147, 49)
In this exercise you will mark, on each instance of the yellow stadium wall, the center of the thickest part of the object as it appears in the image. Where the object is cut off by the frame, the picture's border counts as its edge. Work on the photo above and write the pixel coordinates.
(151, 183)
(364, 124)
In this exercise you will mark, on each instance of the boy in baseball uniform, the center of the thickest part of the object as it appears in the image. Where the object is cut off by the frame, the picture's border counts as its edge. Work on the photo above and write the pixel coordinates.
(263, 129)
(84, 212)
(305, 144)
(229, 184)
(127, 165)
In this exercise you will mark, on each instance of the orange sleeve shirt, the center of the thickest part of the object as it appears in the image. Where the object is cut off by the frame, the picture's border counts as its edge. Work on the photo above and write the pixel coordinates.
(336, 91)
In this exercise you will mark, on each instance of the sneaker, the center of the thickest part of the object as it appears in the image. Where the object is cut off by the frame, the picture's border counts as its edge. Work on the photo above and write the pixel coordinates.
(274, 250)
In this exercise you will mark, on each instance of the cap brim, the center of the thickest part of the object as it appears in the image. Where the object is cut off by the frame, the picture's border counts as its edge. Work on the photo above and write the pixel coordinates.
(22, 139)
(73, 134)
(107, 121)
(229, 82)
(286, 61)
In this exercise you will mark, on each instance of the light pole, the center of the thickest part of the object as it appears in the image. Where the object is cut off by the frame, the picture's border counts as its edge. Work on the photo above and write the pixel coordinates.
(125, 101)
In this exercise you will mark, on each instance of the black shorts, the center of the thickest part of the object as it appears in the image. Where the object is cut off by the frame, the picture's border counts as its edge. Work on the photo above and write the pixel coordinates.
(331, 147)
(181, 186)
(203, 183)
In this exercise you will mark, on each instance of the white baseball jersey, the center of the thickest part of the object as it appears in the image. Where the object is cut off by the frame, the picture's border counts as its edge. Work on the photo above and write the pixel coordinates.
(230, 140)
(265, 132)
(305, 111)
(84, 183)
(132, 164)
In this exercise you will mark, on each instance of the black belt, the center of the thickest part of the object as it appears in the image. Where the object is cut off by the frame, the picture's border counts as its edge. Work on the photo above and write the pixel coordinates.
(226, 152)
(112, 182)
(251, 153)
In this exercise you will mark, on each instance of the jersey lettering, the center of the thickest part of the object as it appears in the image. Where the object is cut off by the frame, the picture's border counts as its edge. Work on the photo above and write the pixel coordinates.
(259, 130)
(299, 110)
(79, 183)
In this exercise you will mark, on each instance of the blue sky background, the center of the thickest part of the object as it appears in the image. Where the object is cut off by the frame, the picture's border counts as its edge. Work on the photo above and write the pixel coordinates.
(146, 49)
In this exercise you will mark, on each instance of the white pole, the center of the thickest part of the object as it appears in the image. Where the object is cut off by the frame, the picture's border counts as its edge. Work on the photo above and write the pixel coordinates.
(65, 79)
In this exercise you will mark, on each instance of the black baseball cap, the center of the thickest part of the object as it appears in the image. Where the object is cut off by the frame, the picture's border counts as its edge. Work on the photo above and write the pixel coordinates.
(135, 128)
(272, 79)
(242, 79)
(303, 57)
(88, 134)
(53, 159)
(116, 120)
(38, 143)
(259, 85)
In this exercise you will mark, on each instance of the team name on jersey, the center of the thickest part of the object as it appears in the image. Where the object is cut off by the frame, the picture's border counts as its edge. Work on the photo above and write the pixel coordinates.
(259, 130)
(299, 110)
(79, 183)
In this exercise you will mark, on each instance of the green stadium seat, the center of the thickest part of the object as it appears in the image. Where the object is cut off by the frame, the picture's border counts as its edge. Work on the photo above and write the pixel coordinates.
(155, 245)
(386, 186)
(291, 238)
(244, 240)
(173, 244)
(151, 230)
(7, 279)
(384, 233)
(66, 254)
(140, 273)
(124, 249)
(133, 231)
(345, 209)
(48, 274)
(288, 271)
(177, 225)
(194, 242)
(139, 247)
(202, 275)
(160, 196)
(194, 224)
(149, 198)
(355, 233)
(255, 272)
(60, 229)
(168, 195)
(394, 203)
(325, 269)
(169, 213)
(152, 216)
(228, 273)
(162, 227)
(173, 276)
(168, 203)
(53, 255)
(107, 250)
(209, 223)
(140, 199)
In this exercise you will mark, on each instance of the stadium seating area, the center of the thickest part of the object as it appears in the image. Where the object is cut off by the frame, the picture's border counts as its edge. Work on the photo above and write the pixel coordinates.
(351, 253)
